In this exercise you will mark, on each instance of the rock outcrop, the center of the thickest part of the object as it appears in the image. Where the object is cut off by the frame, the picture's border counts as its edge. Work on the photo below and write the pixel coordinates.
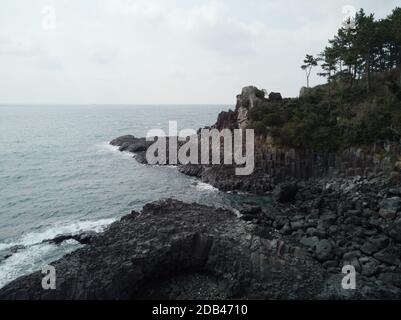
(174, 250)
(249, 98)
(273, 165)
(172, 246)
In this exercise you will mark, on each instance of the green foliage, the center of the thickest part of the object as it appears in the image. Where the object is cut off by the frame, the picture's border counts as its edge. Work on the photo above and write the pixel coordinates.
(332, 119)
(309, 63)
(360, 104)
(364, 47)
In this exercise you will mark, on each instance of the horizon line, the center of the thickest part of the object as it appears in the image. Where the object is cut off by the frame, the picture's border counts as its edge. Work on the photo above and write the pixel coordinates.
(115, 104)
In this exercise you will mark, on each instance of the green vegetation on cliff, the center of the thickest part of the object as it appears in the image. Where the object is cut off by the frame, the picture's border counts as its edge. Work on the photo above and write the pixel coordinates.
(360, 104)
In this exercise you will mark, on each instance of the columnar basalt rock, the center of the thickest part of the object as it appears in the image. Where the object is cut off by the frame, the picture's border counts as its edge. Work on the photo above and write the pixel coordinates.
(273, 165)
(173, 240)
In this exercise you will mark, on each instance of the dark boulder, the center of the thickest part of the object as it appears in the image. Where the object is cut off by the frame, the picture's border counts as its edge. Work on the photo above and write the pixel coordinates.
(275, 97)
(123, 140)
(390, 207)
(286, 193)
(324, 250)
(82, 238)
(226, 120)
(394, 230)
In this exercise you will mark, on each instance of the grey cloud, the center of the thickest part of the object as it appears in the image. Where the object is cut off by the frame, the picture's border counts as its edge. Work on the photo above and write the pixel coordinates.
(19, 48)
(50, 63)
(104, 57)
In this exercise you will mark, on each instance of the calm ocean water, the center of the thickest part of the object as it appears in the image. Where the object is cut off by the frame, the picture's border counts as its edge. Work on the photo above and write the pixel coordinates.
(59, 175)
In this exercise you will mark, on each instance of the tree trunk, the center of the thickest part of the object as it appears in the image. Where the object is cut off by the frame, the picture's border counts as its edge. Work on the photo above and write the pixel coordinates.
(368, 72)
(399, 75)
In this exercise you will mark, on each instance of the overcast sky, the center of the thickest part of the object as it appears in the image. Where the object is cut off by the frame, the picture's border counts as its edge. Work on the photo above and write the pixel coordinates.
(155, 51)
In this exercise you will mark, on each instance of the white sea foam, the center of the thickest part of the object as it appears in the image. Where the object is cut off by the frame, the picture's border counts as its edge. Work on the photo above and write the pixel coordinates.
(22, 263)
(35, 238)
(35, 254)
(106, 147)
(32, 259)
(73, 228)
(5, 246)
(205, 187)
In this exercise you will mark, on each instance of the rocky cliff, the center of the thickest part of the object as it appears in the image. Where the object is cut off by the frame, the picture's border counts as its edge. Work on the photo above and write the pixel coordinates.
(273, 164)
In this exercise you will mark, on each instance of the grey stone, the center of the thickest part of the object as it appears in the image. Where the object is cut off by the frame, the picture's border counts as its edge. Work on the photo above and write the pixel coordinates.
(390, 207)
(391, 278)
(388, 256)
(310, 242)
(394, 230)
(352, 255)
(370, 266)
(324, 250)
(380, 241)
(297, 225)
(369, 248)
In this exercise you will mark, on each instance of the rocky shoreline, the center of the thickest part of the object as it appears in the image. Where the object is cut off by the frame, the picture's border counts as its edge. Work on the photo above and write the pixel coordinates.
(295, 250)
(342, 210)
(171, 247)
(327, 213)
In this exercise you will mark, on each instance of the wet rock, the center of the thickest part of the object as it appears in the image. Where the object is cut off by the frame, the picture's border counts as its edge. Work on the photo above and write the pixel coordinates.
(82, 238)
(128, 139)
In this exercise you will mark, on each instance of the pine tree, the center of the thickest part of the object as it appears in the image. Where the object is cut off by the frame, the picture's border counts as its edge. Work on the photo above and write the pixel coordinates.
(329, 65)
(309, 63)
(395, 27)
(364, 42)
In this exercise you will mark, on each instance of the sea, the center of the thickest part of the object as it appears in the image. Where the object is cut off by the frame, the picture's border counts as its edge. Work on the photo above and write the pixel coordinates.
(59, 175)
